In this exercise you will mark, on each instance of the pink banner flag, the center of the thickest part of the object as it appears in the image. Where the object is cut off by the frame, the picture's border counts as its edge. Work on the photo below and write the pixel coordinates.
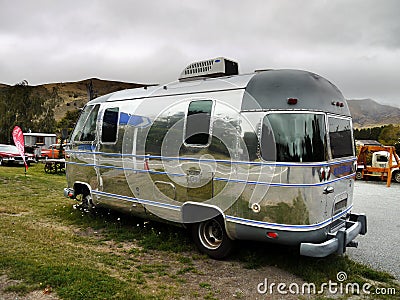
(18, 137)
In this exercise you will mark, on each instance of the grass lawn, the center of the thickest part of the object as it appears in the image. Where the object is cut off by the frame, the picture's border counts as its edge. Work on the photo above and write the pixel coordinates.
(47, 242)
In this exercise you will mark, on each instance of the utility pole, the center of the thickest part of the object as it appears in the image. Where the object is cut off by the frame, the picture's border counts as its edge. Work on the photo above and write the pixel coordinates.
(90, 90)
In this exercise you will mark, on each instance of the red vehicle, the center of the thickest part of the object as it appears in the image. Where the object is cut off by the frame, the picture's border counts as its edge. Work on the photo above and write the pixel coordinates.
(9, 155)
(53, 151)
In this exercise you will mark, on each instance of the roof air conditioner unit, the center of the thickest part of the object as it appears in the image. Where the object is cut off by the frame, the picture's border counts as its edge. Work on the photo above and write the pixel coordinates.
(216, 67)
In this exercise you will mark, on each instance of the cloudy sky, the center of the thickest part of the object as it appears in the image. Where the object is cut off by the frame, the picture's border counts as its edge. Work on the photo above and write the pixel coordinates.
(353, 43)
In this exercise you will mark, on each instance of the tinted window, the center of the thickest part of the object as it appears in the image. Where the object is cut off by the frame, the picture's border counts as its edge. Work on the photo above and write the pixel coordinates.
(294, 138)
(198, 122)
(340, 137)
(110, 125)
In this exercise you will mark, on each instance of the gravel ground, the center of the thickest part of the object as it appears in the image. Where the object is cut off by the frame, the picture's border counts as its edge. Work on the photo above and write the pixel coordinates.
(379, 248)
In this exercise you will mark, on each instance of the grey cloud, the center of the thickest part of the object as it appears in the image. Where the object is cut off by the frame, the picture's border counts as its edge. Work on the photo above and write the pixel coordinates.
(356, 44)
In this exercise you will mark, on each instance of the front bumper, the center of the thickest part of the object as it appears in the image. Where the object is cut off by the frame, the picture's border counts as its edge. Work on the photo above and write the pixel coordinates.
(69, 193)
(338, 241)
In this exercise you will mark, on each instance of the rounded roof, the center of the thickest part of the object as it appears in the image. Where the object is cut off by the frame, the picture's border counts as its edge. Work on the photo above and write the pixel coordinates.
(264, 90)
(271, 90)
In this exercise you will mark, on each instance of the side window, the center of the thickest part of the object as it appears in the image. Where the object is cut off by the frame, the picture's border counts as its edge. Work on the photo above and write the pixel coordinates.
(340, 137)
(109, 127)
(89, 129)
(198, 123)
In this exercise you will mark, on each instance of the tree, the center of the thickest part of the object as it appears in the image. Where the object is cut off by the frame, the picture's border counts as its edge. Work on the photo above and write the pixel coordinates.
(390, 135)
(368, 133)
(68, 121)
(31, 108)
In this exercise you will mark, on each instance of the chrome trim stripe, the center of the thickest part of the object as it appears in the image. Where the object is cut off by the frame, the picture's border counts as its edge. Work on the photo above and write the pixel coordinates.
(267, 225)
(125, 169)
(272, 164)
(284, 184)
(137, 200)
(233, 219)
(274, 184)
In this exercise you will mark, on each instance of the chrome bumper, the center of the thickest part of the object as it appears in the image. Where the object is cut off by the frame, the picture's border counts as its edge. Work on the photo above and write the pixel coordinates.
(338, 241)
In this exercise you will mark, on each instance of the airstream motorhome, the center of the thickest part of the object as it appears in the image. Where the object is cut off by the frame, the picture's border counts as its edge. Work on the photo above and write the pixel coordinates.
(267, 156)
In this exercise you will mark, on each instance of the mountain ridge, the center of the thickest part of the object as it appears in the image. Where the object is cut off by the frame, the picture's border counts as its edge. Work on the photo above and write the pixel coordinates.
(369, 113)
(74, 95)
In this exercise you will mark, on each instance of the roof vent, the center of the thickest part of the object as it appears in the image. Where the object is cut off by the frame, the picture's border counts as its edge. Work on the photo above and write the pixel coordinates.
(210, 68)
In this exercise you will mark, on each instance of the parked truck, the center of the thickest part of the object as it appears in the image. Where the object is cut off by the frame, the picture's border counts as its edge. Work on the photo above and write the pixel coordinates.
(378, 161)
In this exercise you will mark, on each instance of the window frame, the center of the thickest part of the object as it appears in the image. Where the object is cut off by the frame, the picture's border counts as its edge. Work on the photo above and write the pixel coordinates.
(209, 125)
(76, 137)
(329, 136)
(102, 126)
(326, 136)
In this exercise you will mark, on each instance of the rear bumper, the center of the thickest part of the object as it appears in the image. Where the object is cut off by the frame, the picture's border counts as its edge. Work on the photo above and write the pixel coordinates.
(338, 241)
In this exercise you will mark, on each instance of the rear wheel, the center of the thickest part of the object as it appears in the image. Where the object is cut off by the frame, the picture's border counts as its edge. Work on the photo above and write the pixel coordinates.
(210, 238)
(396, 176)
(359, 175)
(1, 161)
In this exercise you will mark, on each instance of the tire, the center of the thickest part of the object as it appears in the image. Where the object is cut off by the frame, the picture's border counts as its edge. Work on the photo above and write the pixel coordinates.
(1, 161)
(210, 238)
(396, 176)
(359, 175)
(48, 168)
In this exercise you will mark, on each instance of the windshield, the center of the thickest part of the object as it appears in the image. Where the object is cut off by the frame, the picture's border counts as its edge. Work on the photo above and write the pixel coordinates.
(298, 137)
(85, 130)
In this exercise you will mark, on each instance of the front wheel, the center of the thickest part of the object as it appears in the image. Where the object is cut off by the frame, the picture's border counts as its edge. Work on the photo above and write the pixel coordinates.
(359, 175)
(210, 238)
(396, 176)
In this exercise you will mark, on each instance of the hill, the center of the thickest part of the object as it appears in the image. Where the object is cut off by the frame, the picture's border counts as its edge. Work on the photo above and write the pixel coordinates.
(369, 113)
(75, 95)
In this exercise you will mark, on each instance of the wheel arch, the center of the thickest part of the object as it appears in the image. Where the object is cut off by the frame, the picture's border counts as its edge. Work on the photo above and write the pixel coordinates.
(82, 188)
(194, 213)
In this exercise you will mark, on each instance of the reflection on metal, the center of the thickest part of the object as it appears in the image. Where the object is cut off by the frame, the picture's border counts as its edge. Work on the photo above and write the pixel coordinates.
(166, 191)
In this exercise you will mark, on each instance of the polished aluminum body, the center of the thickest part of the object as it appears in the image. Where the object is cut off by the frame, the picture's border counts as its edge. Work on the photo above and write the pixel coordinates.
(263, 162)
